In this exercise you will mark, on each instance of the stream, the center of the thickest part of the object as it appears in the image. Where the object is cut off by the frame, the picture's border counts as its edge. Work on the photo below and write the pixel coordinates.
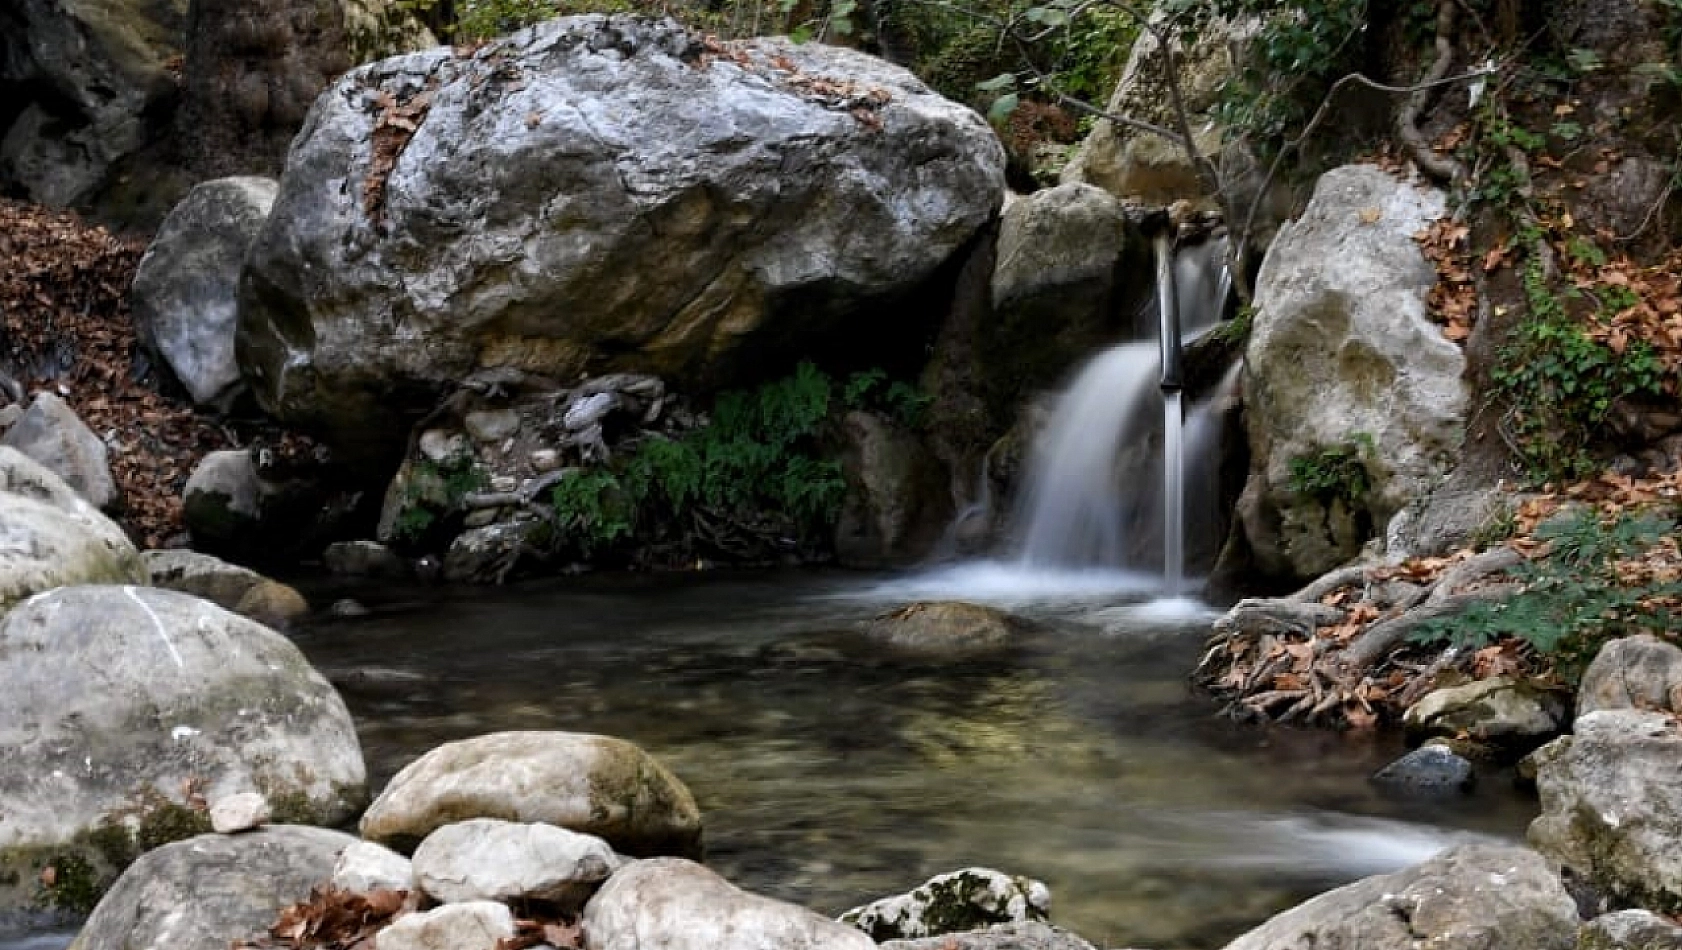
(831, 772)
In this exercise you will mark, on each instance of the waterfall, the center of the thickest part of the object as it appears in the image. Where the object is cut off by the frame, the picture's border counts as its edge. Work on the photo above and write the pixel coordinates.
(1105, 487)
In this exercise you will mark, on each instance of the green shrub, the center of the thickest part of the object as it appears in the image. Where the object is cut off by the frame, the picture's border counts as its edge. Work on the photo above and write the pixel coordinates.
(1335, 473)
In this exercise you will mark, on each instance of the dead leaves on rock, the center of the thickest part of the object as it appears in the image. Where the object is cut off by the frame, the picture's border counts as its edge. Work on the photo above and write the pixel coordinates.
(399, 118)
(65, 325)
(861, 101)
(335, 919)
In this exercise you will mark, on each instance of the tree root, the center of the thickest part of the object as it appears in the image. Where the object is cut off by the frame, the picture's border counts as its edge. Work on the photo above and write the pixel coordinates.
(1441, 167)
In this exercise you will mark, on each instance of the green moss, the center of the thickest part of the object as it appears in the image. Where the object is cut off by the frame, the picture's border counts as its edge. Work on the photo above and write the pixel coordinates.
(76, 884)
(163, 821)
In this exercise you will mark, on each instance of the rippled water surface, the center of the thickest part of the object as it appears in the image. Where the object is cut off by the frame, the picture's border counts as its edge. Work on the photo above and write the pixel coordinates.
(831, 771)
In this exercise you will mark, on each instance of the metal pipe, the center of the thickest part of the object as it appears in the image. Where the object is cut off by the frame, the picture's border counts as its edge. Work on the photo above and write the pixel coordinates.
(1168, 307)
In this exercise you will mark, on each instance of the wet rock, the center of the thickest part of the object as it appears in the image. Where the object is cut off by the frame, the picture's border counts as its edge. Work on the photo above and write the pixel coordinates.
(51, 433)
(760, 220)
(191, 699)
(483, 554)
(364, 559)
(671, 904)
(1345, 375)
(366, 866)
(1501, 712)
(1612, 805)
(208, 892)
(50, 536)
(897, 502)
(488, 859)
(186, 289)
(1640, 672)
(239, 812)
(947, 626)
(1429, 768)
(479, 925)
(1630, 930)
(595, 785)
(239, 589)
(969, 899)
(1029, 935)
(1488, 896)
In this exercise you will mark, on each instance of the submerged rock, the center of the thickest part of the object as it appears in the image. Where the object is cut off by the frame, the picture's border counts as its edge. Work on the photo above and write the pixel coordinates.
(191, 700)
(1486, 896)
(1354, 401)
(674, 904)
(595, 785)
(209, 892)
(947, 626)
(968, 899)
(600, 192)
(50, 536)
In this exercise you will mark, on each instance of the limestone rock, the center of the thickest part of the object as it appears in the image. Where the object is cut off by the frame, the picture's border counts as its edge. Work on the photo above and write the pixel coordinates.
(1630, 930)
(50, 536)
(947, 626)
(239, 812)
(208, 892)
(1501, 712)
(366, 866)
(591, 784)
(1346, 378)
(479, 925)
(969, 899)
(189, 697)
(897, 503)
(1640, 672)
(649, 206)
(186, 290)
(672, 904)
(51, 433)
(1029, 935)
(1612, 805)
(1487, 896)
(488, 859)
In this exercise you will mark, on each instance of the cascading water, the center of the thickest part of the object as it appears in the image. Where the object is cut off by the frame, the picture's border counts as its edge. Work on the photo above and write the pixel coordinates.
(1091, 498)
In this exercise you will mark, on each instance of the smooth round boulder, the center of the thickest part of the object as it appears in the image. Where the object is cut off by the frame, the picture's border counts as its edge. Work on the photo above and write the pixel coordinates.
(488, 859)
(51, 537)
(603, 194)
(473, 925)
(121, 705)
(212, 891)
(674, 904)
(596, 785)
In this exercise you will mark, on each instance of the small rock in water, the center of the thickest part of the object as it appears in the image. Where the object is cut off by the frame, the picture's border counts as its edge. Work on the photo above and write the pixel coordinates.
(240, 812)
(950, 903)
(348, 607)
(1430, 768)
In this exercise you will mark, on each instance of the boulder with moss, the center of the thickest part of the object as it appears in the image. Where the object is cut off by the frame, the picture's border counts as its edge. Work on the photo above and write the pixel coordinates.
(596, 785)
(180, 703)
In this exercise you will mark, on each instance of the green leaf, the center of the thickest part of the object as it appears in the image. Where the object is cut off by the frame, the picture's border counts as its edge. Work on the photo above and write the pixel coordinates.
(1002, 107)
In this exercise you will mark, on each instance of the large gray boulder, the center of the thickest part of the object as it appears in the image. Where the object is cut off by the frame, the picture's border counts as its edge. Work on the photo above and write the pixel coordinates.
(595, 785)
(51, 433)
(121, 705)
(674, 904)
(212, 891)
(602, 193)
(80, 77)
(186, 290)
(1354, 400)
(1612, 805)
(1640, 672)
(51, 536)
(1492, 897)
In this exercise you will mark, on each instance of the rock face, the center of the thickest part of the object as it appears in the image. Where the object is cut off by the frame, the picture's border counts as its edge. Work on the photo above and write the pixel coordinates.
(190, 697)
(670, 904)
(106, 64)
(1641, 672)
(1612, 805)
(51, 536)
(186, 290)
(1355, 404)
(897, 502)
(969, 899)
(1487, 896)
(1511, 716)
(51, 433)
(207, 892)
(598, 193)
(595, 785)
(487, 859)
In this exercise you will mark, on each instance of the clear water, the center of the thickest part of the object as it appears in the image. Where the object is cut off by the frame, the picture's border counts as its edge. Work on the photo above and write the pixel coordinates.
(831, 772)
